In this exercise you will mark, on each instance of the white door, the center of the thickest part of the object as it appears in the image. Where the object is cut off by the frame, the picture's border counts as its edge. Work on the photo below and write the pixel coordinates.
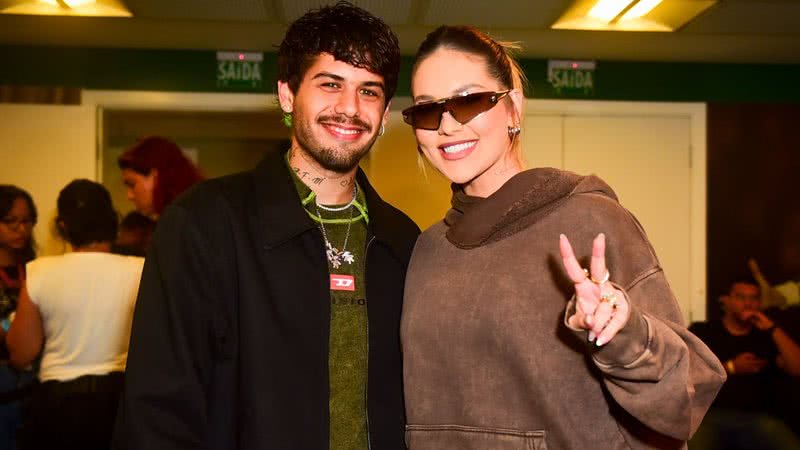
(653, 156)
(646, 160)
(42, 148)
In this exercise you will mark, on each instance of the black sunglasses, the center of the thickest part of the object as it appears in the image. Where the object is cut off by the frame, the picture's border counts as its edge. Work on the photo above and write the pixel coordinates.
(463, 108)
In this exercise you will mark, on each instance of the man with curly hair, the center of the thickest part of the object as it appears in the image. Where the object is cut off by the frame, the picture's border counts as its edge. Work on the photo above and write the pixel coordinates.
(268, 316)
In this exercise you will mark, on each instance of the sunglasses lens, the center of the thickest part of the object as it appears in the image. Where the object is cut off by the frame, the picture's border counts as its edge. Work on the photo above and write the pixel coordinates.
(426, 115)
(469, 106)
(463, 108)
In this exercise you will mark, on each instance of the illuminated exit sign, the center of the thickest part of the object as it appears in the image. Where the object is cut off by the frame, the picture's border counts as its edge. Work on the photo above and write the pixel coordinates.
(240, 70)
(575, 77)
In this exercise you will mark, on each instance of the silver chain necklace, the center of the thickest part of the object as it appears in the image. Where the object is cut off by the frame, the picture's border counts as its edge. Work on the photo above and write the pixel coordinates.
(339, 208)
(335, 256)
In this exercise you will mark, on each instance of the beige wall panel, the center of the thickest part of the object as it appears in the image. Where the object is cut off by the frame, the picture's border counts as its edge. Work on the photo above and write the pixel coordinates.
(393, 170)
(43, 148)
(646, 160)
(542, 141)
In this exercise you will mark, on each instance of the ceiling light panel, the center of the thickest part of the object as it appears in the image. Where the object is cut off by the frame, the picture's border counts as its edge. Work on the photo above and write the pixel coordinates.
(631, 15)
(502, 14)
(640, 9)
(608, 9)
(77, 3)
(92, 8)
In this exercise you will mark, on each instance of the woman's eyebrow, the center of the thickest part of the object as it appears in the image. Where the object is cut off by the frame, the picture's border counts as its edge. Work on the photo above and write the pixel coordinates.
(454, 92)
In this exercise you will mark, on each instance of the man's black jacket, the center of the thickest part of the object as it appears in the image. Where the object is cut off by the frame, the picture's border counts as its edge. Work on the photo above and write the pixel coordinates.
(229, 345)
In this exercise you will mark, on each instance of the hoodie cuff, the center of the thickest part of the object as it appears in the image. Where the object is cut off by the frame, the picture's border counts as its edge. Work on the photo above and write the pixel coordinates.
(627, 347)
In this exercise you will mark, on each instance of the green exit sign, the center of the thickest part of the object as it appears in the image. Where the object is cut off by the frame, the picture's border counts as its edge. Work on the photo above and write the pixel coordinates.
(572, 77)
(240, 70)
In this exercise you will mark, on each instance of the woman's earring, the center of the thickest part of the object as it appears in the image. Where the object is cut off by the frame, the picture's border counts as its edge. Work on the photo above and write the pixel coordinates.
(513, 131)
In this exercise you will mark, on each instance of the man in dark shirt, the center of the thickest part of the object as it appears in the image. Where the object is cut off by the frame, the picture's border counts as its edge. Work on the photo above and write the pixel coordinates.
(757, 354)
(268, 315)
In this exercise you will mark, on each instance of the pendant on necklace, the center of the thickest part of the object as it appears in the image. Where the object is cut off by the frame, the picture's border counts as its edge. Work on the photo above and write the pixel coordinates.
(343, 282)
(336, 257)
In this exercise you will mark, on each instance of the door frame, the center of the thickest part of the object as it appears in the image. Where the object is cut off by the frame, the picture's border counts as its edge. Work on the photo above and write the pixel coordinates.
(173, 101)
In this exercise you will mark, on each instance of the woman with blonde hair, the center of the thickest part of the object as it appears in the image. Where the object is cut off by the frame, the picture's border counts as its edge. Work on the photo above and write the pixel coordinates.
(508, 342)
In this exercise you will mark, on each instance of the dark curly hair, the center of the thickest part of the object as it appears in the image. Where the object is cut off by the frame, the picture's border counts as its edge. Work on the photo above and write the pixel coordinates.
(348, 33)
(86, 214)
(8, 194)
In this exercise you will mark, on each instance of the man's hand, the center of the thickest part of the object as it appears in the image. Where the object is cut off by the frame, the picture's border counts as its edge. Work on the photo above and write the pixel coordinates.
(748, 363)
(758, 319)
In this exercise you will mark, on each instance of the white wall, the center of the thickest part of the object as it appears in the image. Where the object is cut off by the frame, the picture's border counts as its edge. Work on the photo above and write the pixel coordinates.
(42, 148)
(654, 156)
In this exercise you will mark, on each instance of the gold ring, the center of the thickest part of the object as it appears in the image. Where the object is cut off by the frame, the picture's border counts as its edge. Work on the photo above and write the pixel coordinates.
(595, 281)
(605, 278)
(610, 298)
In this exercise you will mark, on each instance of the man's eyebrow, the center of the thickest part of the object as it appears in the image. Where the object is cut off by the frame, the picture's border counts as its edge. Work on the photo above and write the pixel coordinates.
(328, 75)
(333, 76)
(374, 84)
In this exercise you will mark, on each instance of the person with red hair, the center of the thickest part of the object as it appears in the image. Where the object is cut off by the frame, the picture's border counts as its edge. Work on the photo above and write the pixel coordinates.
(156, 171)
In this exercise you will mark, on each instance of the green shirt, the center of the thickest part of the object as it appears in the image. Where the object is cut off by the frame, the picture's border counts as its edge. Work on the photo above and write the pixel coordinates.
(347, 360)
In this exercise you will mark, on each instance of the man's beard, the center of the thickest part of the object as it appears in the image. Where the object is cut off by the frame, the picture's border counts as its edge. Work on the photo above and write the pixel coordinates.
(340, 160)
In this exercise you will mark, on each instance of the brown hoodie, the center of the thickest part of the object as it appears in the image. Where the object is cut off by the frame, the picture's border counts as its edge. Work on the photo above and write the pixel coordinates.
(488, 360)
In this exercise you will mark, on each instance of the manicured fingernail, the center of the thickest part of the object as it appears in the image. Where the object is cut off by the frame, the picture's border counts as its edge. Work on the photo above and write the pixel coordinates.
(562, 236)
(591, 336)
(599, 342)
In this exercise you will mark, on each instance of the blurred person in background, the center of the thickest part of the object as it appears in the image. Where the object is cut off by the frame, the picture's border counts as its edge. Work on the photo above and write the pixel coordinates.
(786, 294)
(135, 232)
(762, 362)
(155, 172)
(17, 218)
(75, 310)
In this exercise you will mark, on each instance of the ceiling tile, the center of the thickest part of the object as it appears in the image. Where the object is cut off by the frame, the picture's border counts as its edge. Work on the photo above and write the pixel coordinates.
(501, 14)
(749, 17)
(392, 12)
(244, 10)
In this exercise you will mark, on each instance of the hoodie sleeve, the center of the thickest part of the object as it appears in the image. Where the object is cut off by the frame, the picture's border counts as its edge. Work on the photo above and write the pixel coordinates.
(654, 368)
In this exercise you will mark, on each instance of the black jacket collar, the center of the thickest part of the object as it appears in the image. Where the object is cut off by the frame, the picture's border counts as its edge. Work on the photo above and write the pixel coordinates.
(278, 208)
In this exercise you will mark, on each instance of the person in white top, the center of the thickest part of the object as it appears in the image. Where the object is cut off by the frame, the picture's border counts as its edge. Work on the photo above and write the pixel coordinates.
(75, 310)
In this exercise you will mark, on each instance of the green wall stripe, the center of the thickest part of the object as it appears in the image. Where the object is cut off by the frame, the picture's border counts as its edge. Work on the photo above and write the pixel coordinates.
(195, 71)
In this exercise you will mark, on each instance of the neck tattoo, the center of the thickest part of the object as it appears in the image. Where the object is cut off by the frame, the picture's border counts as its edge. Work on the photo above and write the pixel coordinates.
(335, 256)
(310, 176)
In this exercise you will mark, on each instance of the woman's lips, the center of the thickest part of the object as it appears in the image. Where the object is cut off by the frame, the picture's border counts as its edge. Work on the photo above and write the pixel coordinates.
(457, 150)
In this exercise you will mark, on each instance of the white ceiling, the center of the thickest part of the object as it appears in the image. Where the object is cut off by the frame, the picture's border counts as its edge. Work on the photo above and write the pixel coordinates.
(747, 31)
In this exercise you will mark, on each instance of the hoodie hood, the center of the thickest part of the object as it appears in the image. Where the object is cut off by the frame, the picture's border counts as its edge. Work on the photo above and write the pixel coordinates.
(521, 201)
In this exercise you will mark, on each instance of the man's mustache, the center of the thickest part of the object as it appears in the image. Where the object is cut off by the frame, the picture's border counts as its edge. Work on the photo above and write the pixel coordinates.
(344, 120)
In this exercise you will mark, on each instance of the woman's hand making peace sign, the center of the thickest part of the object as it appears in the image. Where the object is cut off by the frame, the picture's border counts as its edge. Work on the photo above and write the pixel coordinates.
(600, 308)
